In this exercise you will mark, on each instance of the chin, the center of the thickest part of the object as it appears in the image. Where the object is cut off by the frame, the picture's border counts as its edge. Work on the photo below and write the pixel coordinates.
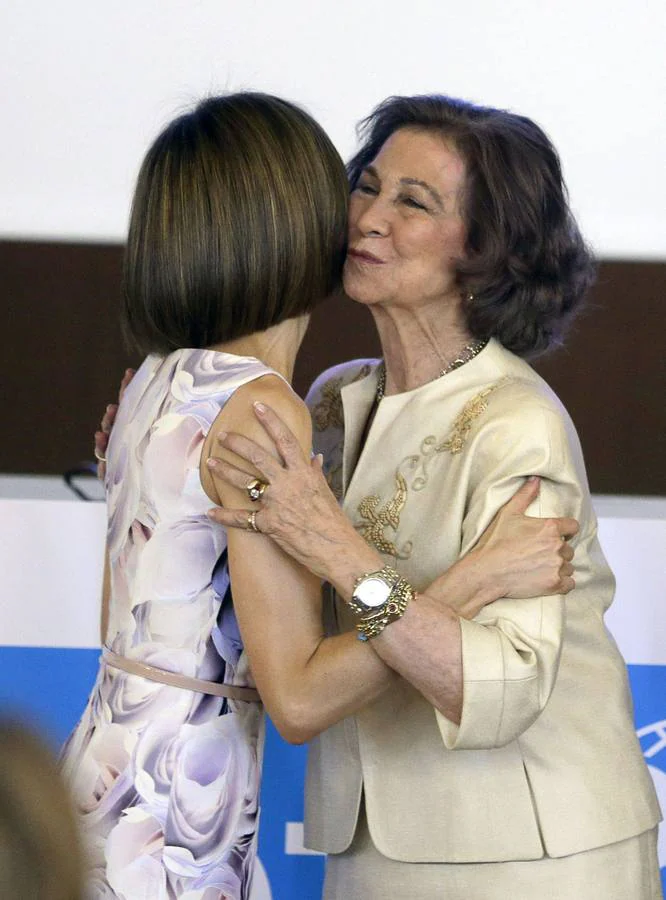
(360, 292)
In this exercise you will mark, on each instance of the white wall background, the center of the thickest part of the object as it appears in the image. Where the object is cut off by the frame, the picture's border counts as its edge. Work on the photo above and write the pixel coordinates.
(86, 85)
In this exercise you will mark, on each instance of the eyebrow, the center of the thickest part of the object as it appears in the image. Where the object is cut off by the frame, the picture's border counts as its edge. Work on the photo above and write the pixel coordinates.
(416, 182)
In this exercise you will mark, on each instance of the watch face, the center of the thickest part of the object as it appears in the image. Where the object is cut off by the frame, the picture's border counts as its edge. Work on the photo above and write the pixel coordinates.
(372, 592)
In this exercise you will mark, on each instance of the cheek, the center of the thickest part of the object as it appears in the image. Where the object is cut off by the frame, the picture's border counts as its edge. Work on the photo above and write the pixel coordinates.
(355, 212)
(434, 250)
(436, 255)
(452, 246)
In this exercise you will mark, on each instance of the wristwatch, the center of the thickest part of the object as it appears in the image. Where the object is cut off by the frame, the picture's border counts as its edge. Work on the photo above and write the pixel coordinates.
(379, 598)
(372, 591)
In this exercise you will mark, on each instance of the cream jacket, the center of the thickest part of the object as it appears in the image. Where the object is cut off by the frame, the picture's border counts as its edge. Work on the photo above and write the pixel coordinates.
(545, 760)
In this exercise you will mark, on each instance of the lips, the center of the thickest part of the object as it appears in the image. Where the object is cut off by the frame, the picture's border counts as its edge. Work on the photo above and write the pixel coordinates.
(364, 256)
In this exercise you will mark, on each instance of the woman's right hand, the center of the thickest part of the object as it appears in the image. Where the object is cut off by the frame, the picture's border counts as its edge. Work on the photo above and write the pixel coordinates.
(517, 556)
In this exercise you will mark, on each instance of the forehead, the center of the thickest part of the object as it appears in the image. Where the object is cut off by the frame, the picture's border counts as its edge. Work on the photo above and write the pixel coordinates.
(411, 153)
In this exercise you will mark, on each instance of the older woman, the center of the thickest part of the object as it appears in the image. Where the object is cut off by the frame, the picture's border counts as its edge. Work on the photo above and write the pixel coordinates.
(503, 763)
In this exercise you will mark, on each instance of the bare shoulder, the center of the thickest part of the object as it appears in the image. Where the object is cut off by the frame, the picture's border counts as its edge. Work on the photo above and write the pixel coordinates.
(238, 416)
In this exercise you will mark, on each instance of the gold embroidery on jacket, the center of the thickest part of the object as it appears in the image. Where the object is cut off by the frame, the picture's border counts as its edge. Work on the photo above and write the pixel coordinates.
(462, 425)
(455, 442)
(327, 413)
(376, 521)
(419, 463)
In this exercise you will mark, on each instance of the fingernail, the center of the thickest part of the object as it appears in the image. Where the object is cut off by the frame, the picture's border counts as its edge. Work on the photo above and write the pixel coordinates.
(211, 513)
(211, 463)
(221, 435)
(260, 408)
(109, 407)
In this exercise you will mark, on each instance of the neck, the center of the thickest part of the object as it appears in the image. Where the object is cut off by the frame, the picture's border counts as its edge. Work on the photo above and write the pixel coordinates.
(417, 345)
(276, 347)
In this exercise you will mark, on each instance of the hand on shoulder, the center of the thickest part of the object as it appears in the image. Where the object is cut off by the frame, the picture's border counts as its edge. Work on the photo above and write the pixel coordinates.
(238, 416)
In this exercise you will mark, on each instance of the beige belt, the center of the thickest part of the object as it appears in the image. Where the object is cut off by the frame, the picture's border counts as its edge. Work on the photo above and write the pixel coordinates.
(173, 679)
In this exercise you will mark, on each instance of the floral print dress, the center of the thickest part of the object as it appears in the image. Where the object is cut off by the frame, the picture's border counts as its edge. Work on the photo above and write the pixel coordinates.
(166, 780)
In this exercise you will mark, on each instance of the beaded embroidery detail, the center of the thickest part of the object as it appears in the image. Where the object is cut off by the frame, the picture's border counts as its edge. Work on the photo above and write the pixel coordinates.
(327, 413)
(374, 521)
(471, 411)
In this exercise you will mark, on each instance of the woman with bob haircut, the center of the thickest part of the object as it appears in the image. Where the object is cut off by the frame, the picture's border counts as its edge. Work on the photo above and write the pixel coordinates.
(503, 763)
(237, 229)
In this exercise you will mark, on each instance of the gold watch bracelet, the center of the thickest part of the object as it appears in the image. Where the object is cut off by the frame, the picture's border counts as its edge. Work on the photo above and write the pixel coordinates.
(373, 622)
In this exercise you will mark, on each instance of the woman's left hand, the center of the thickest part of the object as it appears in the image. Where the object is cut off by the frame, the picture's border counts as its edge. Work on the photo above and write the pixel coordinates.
(103, 433)
(297, 509)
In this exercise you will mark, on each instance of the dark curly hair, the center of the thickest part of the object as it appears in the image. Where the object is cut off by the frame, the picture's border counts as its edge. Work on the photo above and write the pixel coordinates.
(527, 267)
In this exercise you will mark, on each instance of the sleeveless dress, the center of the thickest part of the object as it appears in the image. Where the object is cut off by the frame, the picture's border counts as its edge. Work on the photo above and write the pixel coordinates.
(165, 779)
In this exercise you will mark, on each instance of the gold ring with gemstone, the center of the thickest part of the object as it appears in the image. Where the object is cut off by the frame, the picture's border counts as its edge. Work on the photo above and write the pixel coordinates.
(255, 489)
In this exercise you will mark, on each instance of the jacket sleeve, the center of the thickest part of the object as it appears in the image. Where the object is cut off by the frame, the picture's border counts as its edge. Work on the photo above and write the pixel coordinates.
(511, 651)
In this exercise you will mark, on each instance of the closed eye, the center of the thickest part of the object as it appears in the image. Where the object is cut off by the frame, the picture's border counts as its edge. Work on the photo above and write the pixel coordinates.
(364, 188)
(413, 203)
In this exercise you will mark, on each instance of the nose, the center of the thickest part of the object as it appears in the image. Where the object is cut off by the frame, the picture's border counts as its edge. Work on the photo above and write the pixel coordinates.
(372, 217)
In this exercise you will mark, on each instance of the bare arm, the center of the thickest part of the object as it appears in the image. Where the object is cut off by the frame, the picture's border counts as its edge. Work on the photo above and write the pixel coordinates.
(307, 681)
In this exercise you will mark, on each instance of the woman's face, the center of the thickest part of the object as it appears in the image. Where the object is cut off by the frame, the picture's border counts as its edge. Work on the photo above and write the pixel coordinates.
(405, 226)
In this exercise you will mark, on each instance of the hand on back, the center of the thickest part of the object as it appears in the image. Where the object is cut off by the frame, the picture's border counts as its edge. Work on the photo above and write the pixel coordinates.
(103, 433)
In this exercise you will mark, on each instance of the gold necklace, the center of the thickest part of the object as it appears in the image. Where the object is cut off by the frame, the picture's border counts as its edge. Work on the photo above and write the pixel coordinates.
(467, 353)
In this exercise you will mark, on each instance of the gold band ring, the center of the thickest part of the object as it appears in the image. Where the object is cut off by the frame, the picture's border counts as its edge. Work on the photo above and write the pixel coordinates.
(255, 489)
(252, 522)
(98, 456)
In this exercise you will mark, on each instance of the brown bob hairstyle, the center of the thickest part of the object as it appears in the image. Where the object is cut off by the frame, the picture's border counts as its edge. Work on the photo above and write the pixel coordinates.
(238, 222)
(526, 268)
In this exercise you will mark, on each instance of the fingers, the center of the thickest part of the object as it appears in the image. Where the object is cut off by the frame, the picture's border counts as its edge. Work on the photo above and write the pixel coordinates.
(225, 471)
(127, 377)
(111, 410)
(252, 453)
(284, 439)
(233, 518)
(524, 496)
(109, 418)
(101, 443)
(566, 551)
(567, 527)
(567, 584)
